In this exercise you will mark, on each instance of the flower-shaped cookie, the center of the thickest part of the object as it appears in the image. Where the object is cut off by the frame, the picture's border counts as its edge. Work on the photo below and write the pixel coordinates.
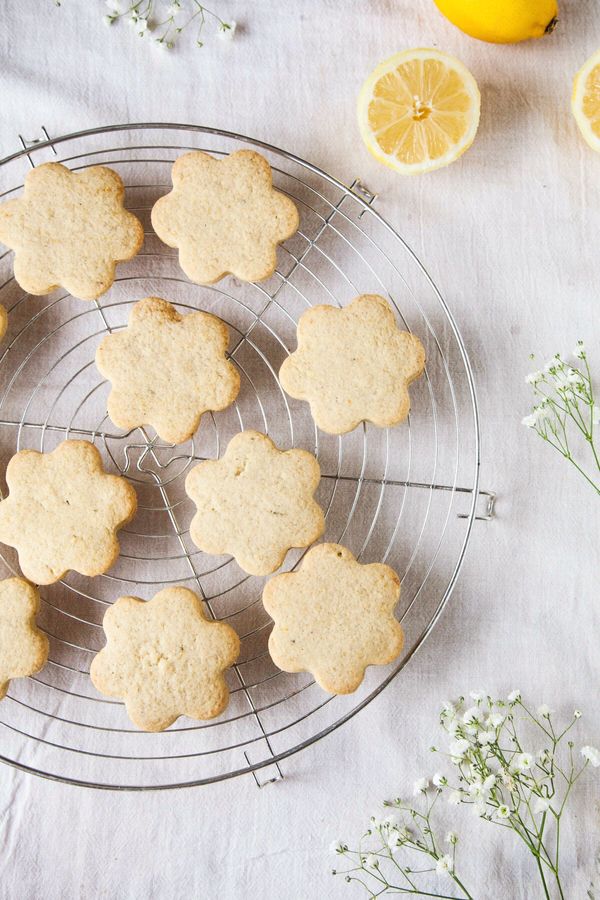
(224, 216)
(63, 511)
(166, 370)
(69, 229)
(256, 502)
(334, 617)
(353, 365)
(3, 322)
(23, 647)
(165, 659)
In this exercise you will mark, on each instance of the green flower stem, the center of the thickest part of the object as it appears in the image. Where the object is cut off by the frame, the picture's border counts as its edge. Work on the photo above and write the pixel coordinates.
(571, 460)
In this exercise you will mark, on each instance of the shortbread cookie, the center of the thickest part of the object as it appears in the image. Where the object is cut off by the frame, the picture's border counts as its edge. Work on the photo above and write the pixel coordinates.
(23, 647)
(63, 512)
(3, 322)
(353, 365)
(334, 617)
(166, 370)
(69, 229)
(256, 502)
(224, 216)
(165, 659)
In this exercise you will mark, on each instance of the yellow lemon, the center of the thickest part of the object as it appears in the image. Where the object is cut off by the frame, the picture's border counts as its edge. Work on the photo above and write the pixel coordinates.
(586, 101)
(419, 111)
(502, 21)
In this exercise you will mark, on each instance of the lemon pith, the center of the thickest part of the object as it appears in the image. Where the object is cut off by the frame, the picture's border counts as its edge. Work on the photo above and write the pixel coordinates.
(419, 110)
(585, 102)
(502, 21)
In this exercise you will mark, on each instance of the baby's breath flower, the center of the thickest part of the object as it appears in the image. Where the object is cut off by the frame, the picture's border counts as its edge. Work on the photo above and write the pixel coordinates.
(495, 720)
(534, 377)
(480, 788)
(337, 847)
(574, 377)
(444, 866)
(592, 755)
(226, 30)
(143, 16)
(473, 716)
(391, 821)
(577, 714)
(420, 786)
(523, 762)
(544, 711)
(478, 695)
(567, 408)
(458, 749)
(398, 837)
(497, 782)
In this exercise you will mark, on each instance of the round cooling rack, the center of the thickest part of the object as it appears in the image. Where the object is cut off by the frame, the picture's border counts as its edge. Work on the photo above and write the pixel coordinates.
(406, 496)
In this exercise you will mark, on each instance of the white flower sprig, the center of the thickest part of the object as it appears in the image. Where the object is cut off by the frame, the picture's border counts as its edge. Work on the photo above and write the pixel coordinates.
(494, 773)
(163, 23)
(565, 406)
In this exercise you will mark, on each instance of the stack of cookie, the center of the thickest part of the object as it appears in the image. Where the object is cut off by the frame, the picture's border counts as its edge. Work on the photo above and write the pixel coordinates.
(332, 617)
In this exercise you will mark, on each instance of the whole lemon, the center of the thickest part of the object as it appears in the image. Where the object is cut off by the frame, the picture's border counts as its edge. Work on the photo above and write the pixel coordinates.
(502, 21)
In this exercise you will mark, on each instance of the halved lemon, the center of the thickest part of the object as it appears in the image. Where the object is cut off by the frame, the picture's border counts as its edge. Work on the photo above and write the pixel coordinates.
(419, 111)
(586, 101)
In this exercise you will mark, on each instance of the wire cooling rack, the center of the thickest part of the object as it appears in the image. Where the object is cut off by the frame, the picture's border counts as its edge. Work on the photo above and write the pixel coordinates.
(407, 496)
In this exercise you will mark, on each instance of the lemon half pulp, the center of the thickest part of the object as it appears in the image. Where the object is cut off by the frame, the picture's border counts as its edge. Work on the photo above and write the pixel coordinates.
(586, 101)
(419, 111)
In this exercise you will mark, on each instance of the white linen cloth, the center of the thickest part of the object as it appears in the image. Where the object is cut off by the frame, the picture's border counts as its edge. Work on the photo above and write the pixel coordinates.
(510, 234)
